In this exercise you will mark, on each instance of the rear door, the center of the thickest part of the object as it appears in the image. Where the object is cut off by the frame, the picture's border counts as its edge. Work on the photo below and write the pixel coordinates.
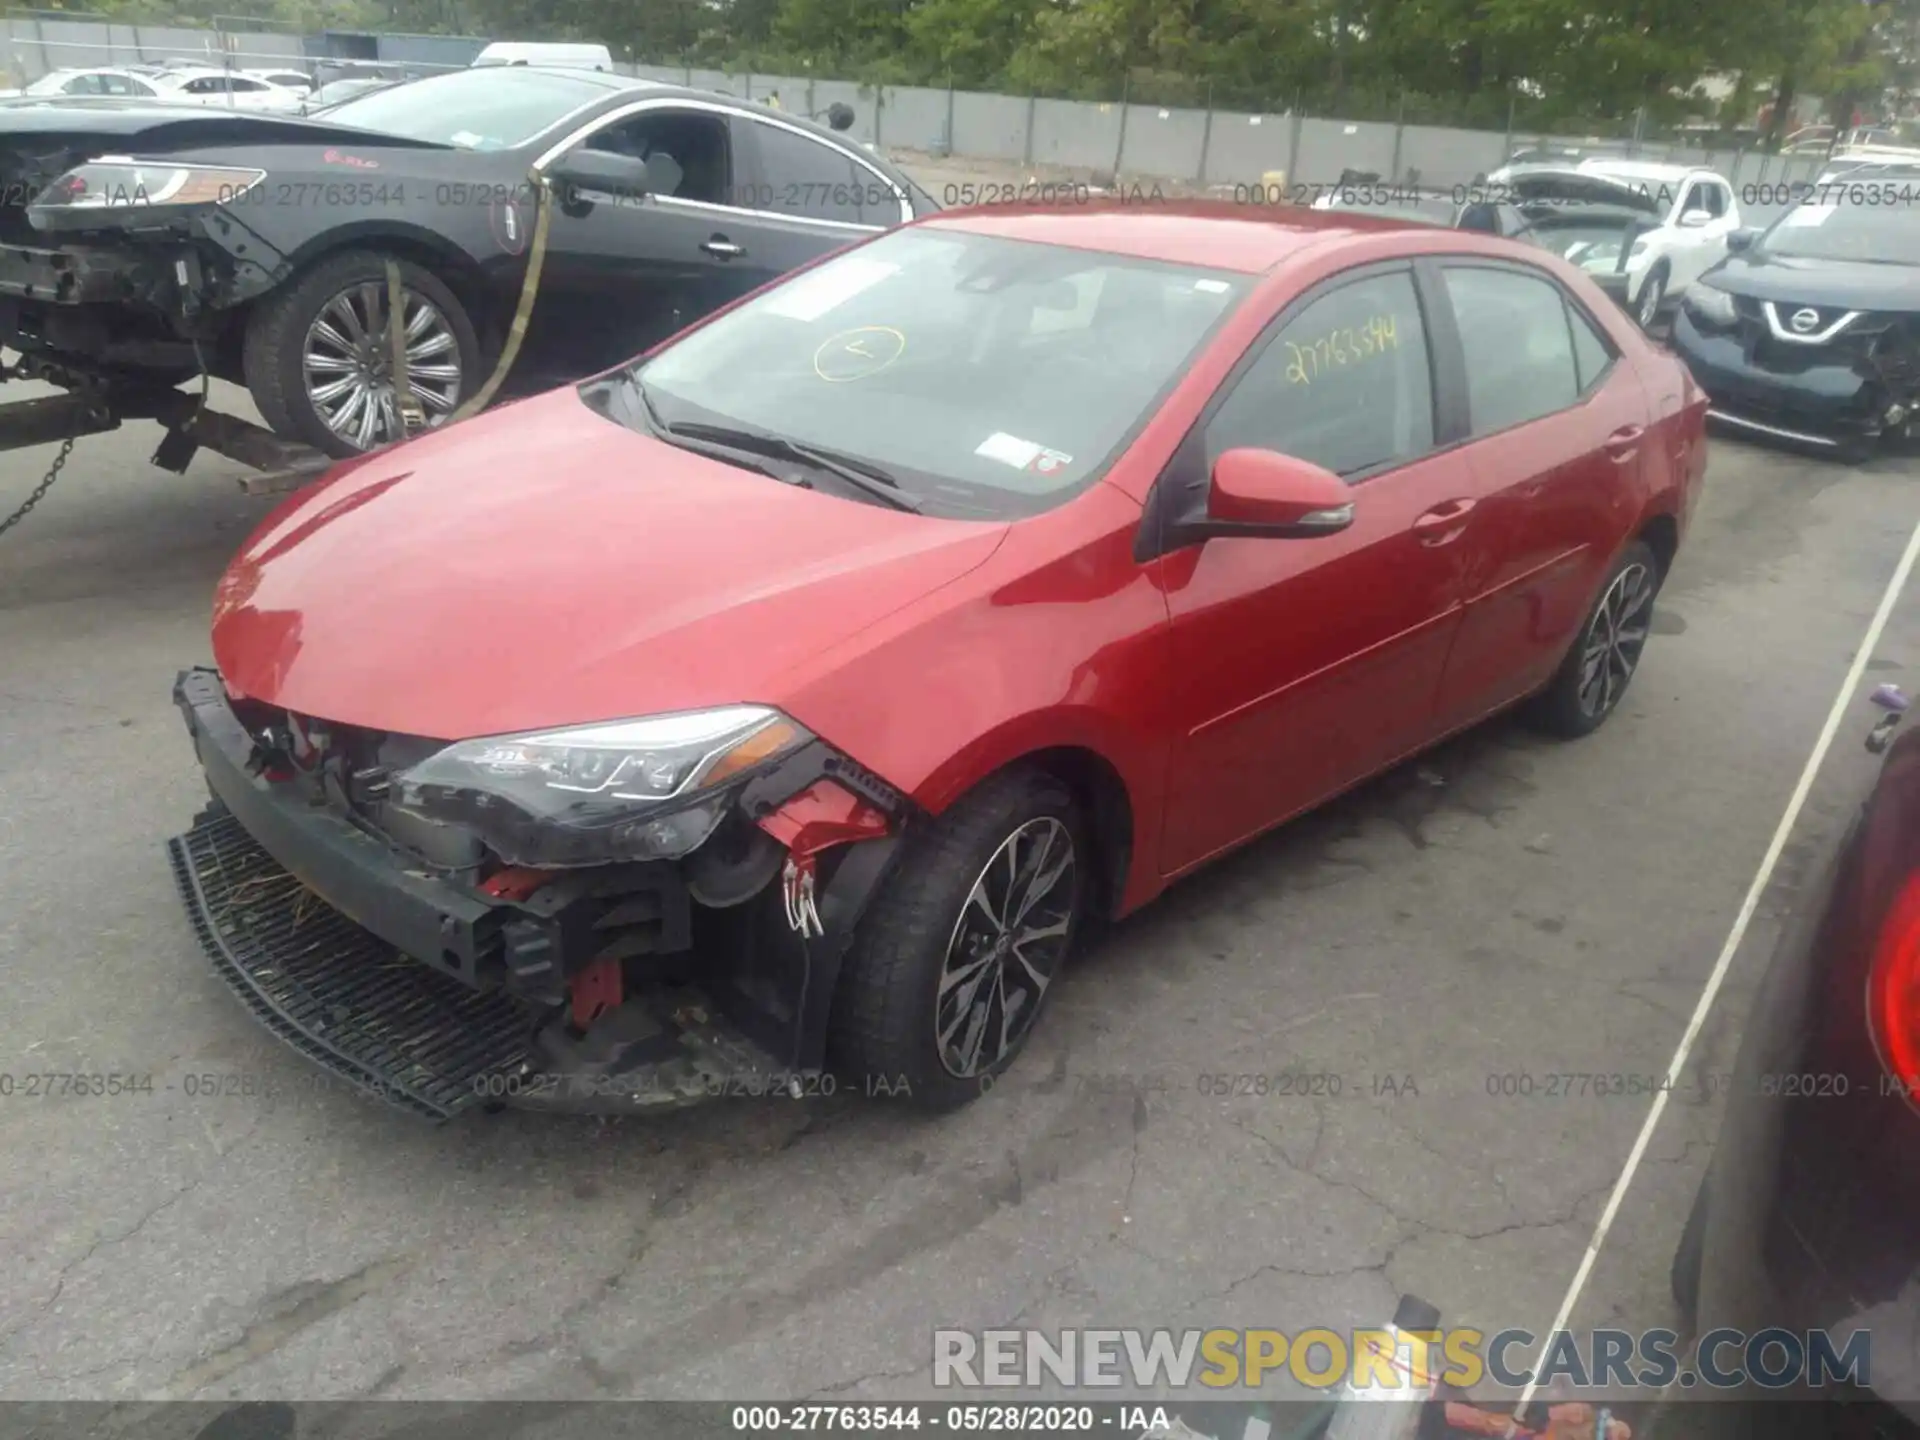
(807, 196)
(1559, 425)
(1301, 666)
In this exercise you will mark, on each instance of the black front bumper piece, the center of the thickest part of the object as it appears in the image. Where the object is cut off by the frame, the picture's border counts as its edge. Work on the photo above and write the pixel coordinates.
(387, 1026)
(425, 991)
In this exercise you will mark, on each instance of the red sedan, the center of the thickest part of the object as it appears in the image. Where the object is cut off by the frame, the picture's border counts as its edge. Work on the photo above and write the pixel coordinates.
(775, 713)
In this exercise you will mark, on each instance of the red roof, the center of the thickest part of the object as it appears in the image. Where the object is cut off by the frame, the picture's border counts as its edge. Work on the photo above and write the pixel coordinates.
(1251, 238)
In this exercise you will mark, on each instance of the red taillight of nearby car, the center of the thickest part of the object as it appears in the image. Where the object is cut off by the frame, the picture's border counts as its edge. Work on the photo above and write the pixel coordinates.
(1893, 990)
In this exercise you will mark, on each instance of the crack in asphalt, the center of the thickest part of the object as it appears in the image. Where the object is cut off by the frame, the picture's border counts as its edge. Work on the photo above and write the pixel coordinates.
(100, 1243)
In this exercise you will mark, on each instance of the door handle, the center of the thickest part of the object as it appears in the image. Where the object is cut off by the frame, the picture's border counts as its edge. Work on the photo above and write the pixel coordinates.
(1624, 443)
(1443, 522)
(722, 248)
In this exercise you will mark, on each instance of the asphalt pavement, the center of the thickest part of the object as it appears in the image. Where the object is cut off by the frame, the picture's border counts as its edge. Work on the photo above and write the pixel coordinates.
(1505, 908)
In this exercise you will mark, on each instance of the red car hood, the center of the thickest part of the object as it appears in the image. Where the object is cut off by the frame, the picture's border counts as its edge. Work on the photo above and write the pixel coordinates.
(544, 566)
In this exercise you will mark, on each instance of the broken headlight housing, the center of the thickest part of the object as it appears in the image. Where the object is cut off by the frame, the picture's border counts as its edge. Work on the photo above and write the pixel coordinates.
(648, 789)
(115, 185)
(1711, 304)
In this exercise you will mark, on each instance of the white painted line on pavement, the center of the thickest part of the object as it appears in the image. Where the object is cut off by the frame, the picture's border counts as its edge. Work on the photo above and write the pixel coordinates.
(1842, 703)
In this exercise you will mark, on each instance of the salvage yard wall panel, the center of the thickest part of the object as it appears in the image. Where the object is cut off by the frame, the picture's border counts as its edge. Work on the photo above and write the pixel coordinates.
(1329, 146)
(1242, 148)
(1163, 141)
(1069, 132)
(915, 117)
(1444, 156)
(989, 127)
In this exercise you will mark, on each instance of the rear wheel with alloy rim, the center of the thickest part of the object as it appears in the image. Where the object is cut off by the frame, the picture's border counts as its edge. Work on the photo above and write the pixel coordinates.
(1595, 674)
(319, 355)
(952, 967)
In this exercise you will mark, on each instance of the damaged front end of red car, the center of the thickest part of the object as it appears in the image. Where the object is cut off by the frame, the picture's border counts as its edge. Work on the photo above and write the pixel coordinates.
(541, 920)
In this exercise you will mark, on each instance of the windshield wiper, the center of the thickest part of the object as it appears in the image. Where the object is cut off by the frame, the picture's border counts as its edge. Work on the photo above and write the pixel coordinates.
(864, 476)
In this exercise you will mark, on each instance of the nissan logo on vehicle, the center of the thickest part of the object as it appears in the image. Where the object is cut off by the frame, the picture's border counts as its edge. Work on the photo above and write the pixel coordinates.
(1804, 322)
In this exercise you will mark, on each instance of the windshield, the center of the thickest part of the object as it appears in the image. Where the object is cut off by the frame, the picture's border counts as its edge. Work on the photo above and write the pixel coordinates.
(473, 109)
(990, 377)
(1835, 231)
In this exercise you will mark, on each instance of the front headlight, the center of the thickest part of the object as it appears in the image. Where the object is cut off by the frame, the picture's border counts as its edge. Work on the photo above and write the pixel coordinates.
(647, 789)
(1705, 302)
(1639, 250)
(117, 184)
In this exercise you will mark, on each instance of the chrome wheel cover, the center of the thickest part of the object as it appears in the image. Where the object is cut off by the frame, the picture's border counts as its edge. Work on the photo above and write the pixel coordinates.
(346, 364)
(1009, 938)
(1610, 650)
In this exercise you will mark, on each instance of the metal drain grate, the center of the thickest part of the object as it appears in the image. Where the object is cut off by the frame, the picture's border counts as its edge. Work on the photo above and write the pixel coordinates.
(388, 1025)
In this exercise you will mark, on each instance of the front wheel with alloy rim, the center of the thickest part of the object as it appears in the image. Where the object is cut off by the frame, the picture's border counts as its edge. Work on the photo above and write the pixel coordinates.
(1593, 677)
(319, 355)
(952, 966)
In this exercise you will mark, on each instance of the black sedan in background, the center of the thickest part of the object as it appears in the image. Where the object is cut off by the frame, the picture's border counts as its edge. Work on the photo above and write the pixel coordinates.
(1809, 1218)
(1810, 330)
(257, 246)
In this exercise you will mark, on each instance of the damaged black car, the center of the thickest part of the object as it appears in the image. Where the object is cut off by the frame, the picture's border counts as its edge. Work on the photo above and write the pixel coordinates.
(1810, 332)
(532, 226)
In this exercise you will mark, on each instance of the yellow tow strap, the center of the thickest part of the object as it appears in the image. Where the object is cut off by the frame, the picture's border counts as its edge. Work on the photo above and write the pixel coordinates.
(529, 287)
(413, 418)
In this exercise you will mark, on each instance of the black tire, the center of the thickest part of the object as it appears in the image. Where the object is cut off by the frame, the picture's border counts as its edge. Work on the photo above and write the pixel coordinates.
(1689, 1257)
(1565, 706)
(1654, 291)
(277, 330)
(887, 1005)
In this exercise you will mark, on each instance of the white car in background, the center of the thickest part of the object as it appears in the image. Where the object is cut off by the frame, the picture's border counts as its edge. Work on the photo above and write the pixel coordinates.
(297, 81)
(105, 80)
(227, 89)
(1644, 231)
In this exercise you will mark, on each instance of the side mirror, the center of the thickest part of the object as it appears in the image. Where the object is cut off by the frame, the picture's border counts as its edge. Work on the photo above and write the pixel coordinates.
(840, 116)
(1695, 219)
(1742, 239)
(1262, 493)
(621, 176)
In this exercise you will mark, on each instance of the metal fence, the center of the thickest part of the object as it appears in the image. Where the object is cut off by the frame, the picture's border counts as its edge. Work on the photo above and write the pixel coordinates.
(1202, 148)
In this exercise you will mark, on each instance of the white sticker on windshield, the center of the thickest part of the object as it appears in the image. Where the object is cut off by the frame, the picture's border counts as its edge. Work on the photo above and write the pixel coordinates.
(465, 139)
(812, 296)
(1212, 287)
(1008, 450)
(1809, 215)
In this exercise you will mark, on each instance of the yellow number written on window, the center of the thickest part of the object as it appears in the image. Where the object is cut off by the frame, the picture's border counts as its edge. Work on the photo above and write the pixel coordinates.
(1340, 348)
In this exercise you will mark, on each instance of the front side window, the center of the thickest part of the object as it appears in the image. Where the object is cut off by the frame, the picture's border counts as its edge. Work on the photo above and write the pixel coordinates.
(807, 177)
(991, 377)
(1516, 345)
(685, 152)
(1345, 383)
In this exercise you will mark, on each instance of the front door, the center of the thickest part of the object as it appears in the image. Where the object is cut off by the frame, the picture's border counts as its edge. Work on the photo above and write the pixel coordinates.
(625, 271)
(1300, 666)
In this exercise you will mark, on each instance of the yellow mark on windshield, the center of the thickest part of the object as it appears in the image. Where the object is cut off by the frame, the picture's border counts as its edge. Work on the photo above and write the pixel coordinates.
(856, 354)
(1340, 348)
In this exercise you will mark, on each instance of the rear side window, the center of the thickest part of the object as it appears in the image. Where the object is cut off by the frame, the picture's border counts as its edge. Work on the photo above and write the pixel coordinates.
(1344, 383)
(1518, 349)
(1591, 352)
(802, 176)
